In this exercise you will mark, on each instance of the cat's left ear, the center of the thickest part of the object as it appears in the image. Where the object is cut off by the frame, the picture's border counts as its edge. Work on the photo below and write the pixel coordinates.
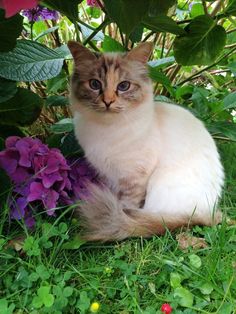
(80, 53)
(141, 53)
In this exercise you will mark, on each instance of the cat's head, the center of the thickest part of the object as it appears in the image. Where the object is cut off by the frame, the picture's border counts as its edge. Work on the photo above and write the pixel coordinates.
(110, 82)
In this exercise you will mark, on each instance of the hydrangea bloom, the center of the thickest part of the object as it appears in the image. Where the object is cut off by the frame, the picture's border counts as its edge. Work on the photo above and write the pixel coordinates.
(40, 13)
(12, 7)
(42, 174)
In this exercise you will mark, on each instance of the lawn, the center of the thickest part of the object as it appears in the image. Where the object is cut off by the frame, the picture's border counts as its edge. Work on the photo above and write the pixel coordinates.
(49, 270)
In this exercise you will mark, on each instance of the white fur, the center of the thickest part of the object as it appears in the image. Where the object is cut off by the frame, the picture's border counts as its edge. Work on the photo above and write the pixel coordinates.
(184, 173)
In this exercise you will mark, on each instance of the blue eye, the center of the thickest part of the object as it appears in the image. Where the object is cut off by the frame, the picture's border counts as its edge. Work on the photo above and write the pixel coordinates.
(123, 86)
(95, 84)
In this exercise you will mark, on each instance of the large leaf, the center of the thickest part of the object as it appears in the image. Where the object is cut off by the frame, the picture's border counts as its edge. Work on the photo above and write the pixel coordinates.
(162, 23)
(225, 129)
(67, 7)
(160, 7)
(7, 89)
(10, 29)
(23, 109)
(126, 14)
(30, 61)
(202, 43)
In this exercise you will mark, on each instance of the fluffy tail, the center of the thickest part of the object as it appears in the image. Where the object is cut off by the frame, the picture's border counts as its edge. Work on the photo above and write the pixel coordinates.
(104, 219)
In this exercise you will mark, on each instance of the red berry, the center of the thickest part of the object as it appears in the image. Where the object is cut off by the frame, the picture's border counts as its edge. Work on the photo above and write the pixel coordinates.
(166, 308)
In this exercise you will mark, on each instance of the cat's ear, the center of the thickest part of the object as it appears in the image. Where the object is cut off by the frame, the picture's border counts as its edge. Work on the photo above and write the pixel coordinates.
(79, 52)
(141, 53)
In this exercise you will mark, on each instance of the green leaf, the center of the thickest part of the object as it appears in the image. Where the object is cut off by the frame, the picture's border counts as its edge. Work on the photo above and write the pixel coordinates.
(10, 29)
(126, 14)
(46, 297)
(64, 125)
(73, 244)
(162, 23)
(161, 78)
(5, 308)
(55, 101)
(196, 10)
(225, 129)
(83, 302)
(37, 302)
(70, 146)
(58, 83)
(7, 89)
(232, 67)
(202, 43)
(175, 280)
(160, 7)
(42, 271)
(229, 101)
(46, 32)
(231, 8)
(30, 61)
(68, 291)
(31, 246)
(23, 109)
(68, 8)
(206, 288)
(195, 261)
(161, 63)
(185, 296)
(136, 34)
(109, 45)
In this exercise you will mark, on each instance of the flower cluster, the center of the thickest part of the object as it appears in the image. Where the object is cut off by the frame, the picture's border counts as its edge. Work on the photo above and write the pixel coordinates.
(39, 13)
(42, 174)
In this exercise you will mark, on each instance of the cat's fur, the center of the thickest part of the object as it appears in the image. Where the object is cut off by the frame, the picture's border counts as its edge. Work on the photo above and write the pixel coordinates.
(161, 164)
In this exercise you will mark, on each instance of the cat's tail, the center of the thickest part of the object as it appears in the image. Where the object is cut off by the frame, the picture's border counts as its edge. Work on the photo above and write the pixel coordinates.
(104, 219)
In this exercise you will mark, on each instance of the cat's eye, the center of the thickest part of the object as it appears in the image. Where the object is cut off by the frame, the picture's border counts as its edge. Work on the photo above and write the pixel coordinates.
(123, 86)
(95, 84)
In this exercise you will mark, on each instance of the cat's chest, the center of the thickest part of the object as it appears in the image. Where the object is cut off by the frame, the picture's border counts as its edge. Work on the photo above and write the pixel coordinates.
(119, 153)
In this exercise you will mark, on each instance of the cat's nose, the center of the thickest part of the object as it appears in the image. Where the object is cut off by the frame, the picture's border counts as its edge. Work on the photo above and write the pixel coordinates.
(107, 103)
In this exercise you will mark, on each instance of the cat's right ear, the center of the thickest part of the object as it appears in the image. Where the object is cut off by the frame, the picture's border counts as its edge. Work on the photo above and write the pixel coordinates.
(79, 52)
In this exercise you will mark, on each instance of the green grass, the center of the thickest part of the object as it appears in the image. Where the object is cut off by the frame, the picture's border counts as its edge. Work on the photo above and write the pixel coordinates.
(52, 273)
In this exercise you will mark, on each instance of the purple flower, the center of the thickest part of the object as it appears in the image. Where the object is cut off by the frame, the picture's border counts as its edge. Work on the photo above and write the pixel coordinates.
(43, 177)
(49, 197)
(39, 13)
(39, 175)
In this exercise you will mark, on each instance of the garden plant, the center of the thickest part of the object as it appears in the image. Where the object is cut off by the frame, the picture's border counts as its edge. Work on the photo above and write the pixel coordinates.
(45, 266)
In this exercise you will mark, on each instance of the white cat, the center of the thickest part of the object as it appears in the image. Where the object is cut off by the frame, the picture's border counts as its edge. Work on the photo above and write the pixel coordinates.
(160, 163)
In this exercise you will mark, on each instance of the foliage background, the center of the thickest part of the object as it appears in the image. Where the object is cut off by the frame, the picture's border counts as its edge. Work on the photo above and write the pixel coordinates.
(193, 64)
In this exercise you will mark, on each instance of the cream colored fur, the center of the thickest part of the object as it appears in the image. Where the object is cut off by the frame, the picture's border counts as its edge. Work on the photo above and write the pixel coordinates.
(164, 147)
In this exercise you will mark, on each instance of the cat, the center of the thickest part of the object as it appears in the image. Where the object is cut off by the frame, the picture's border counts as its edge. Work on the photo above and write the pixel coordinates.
(162, 167)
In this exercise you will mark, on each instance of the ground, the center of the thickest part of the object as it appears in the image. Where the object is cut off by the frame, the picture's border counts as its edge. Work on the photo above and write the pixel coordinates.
(49, 270)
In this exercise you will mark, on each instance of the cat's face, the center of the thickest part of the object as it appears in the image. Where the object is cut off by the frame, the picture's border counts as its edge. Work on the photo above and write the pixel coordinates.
(112, 82)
